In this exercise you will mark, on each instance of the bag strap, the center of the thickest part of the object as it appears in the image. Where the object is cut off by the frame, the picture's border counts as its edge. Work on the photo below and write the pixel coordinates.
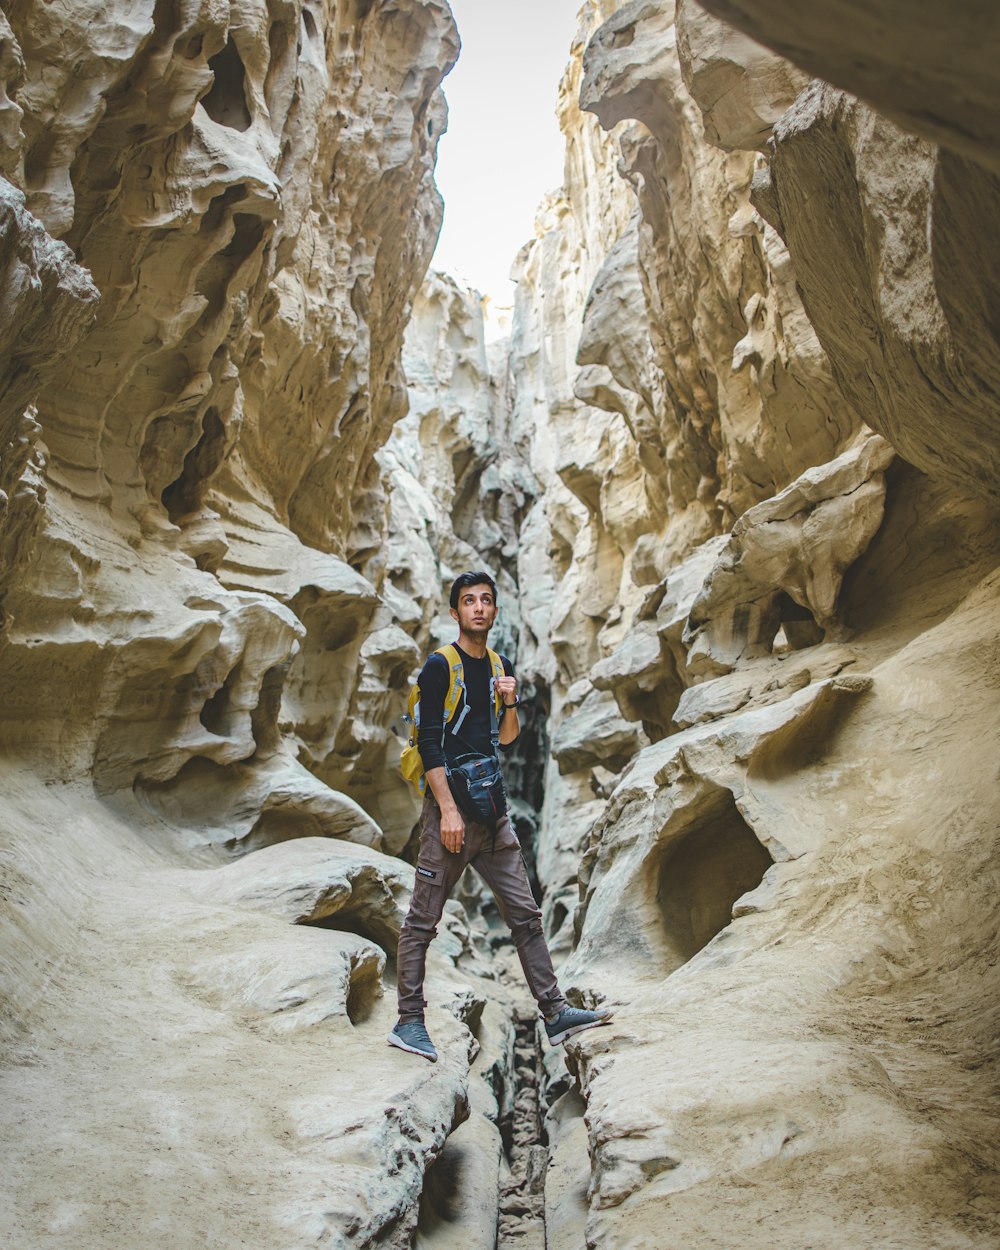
(496, 699)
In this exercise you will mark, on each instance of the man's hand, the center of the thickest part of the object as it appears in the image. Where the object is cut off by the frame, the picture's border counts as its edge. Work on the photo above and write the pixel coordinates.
(508, 688)
(452, 824)
(510, 726)
(452, 830)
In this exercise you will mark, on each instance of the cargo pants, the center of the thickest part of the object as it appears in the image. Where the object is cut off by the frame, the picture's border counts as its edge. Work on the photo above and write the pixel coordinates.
(502, 868)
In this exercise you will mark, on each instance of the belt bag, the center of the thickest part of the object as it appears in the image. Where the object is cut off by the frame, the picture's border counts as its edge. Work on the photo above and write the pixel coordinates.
(477, 787)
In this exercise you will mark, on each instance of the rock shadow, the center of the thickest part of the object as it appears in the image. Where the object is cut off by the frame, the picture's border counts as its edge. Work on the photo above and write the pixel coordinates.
(701, 875)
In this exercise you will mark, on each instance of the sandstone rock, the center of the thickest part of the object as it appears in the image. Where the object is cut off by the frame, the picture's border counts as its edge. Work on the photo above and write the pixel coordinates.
(11, 78)
(310, 880)
(699, 243)
(757, 683)
(896, 59)
(677, 840)
(639, 676)
(892, 245)
(192, 556)
(458, 488)
(761, 653)
(741, 88)
(650, 1163)
(569, 811)
(594, 731)
(799, 544)
(783, 847)
(299, 980)
(47, 303)
(214, 979)
(200, 201)
(459, 1199)
(680, 589)
(242, 807)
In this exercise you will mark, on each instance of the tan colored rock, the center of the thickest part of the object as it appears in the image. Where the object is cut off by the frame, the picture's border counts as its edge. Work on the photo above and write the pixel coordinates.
(676, 835)
(238, 1030)
(748, 865)
(901, 257)
(759, 647)
(11, 78)
(592, 730)
(895, 58)
(193, 551)
(758, 683)
(638, 675)
(699, 243)
(336, 975)
(310, 880)
(238, 808)
(807, 955)
(741, 87)
(680, 588)
(47, 304)
(225, 410)
(798, 545)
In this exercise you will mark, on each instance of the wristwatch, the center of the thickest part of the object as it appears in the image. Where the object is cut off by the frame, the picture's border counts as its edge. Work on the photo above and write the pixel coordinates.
(517, 700)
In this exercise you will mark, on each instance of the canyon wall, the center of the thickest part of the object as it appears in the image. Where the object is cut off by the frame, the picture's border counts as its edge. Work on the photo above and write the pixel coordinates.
(768, 579)
(215, 219)
(735, 472)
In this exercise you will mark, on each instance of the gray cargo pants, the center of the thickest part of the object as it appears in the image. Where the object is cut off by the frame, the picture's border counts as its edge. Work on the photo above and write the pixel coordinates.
(502, 868)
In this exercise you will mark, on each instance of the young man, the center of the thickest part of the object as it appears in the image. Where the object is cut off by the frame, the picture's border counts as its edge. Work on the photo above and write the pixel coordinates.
(449, 841)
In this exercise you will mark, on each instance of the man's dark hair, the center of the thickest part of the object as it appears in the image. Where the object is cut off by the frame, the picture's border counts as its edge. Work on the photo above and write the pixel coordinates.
(471, 579)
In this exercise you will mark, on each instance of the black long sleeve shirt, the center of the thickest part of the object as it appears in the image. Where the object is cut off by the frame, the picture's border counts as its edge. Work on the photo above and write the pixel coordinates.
(475, 732)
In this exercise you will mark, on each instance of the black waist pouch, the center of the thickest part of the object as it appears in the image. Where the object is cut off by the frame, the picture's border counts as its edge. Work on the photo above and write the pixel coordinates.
(477, 786)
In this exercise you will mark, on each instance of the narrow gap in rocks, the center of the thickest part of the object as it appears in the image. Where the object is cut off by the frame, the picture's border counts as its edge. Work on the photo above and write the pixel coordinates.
(521, 1215)
(521, 1220)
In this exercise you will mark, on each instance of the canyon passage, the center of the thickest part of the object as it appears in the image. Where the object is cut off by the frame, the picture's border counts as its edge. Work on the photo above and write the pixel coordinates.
(734, 465)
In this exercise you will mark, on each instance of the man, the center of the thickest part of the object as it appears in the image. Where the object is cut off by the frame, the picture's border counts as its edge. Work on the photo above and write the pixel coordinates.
(449, 841)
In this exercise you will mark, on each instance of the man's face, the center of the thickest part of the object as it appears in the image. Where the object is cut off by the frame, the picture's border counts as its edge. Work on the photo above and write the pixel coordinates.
(476, 611)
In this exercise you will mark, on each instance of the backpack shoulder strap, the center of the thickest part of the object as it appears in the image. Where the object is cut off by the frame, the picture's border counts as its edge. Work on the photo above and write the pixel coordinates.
(496, 703)
(456, 679)
(497, 670)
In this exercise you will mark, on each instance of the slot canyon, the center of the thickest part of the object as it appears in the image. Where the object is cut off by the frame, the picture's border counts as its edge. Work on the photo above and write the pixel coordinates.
(736, 470)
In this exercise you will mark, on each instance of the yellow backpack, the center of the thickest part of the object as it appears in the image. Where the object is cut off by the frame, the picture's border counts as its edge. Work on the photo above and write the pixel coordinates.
(410, 763)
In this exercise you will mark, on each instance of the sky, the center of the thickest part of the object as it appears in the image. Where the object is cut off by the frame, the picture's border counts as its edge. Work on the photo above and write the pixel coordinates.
(503, 149)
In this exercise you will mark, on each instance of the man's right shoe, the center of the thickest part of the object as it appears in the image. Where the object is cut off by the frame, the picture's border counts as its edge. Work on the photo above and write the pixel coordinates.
(410, 1035)
(574, 1020)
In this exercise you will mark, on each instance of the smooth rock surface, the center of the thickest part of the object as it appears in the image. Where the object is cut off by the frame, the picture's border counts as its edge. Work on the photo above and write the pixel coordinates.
(931, 70)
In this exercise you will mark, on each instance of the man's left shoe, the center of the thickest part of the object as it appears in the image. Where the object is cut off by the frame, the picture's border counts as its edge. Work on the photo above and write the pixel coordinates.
(412, 1036)
(574, 1020)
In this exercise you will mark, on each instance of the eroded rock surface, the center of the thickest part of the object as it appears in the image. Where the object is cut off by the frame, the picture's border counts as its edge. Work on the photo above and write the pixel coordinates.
(753, 568)
(216, 220)
(900, 58)
(736, 473)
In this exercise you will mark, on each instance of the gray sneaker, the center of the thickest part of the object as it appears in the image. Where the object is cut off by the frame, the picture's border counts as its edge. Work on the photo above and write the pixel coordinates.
(411, 1035)
(574, 1020)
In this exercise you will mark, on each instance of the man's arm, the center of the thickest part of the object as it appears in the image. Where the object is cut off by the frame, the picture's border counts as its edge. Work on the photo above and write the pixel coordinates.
(433, 688)
(510, 726)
